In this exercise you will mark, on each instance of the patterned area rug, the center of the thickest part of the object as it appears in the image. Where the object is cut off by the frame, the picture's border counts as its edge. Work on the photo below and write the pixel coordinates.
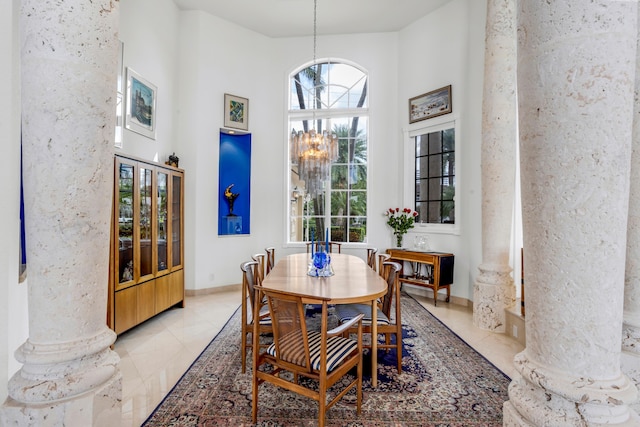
(444, 382)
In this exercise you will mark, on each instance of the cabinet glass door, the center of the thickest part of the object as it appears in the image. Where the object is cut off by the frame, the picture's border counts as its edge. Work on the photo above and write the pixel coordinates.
(176, 214)
(146, 195)
(161, 239)
(125, 223)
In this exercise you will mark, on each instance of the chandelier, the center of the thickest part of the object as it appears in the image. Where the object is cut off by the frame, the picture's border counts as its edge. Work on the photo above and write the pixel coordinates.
(314, 153)
(311, 151)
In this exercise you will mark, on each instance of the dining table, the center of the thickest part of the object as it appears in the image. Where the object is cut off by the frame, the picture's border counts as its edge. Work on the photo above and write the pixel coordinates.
(353, 281)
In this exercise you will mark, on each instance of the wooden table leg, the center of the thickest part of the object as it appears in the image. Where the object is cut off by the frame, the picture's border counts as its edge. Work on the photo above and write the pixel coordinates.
(374, 343)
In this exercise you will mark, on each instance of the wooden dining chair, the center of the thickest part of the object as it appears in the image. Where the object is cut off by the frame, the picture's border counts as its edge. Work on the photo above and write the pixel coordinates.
(260, 259)
(249, 293)
(382, 258)
(271, 258)
(333, 246)
(389, 322)
(371, 257)
(325, 356)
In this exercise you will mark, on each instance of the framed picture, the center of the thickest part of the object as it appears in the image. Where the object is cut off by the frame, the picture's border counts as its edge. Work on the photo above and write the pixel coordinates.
(236, 112)
(430, 104)
(140, 114)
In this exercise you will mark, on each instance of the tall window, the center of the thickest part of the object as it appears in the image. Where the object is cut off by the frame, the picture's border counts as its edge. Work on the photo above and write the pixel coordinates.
(331, 96)
(436, 176)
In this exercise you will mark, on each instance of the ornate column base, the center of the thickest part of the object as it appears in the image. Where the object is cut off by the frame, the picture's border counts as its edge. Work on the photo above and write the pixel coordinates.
(493, 292)
(630, 365)
(75, 383)
(100, 407)
(541, 396)
(630, 356)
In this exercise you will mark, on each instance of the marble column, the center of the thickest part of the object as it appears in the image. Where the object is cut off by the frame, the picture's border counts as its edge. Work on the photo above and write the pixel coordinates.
(630, 357)
(576, 66)
(493, 289)
(70, 375)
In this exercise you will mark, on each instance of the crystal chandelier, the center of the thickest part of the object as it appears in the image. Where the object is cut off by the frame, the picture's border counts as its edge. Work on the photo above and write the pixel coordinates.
(314, 153)
(311, 151)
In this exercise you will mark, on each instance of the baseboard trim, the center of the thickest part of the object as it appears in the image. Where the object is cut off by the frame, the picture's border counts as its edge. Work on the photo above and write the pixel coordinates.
(515, 323)
(442, 296)
(213, 290)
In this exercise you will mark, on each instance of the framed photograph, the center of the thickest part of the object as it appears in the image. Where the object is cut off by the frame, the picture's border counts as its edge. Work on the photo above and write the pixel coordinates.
(236, 112)
(140, 114)
(430, 104)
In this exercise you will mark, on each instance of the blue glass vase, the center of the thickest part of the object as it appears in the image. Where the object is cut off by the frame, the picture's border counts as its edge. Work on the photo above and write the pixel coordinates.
(320, 264)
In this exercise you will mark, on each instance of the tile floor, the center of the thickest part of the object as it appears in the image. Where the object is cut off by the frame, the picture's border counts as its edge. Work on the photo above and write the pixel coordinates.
(154, 355)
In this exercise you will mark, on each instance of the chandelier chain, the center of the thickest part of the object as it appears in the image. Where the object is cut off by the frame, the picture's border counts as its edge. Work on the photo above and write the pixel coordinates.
(311, 151)
(315, 66)
(315, 31)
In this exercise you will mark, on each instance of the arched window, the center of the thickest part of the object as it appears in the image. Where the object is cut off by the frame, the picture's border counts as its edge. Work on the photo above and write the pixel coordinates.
(333, 96)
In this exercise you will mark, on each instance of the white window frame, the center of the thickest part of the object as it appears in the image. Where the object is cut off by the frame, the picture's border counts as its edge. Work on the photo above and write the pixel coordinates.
(328, 114)
(409, 183)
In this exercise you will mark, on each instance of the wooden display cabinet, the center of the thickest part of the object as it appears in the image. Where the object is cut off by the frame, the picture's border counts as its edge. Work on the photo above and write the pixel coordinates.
(432, 270)
(147, 248)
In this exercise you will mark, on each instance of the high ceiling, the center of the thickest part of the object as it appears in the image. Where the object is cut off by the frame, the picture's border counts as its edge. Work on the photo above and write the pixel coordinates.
(291, 18)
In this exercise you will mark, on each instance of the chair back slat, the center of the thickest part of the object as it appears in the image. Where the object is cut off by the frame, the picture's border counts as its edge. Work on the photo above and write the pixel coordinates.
(334, 247)
(249, 280)
(271, 258)
(250, 291)
(392, 271)
(382, 258)
(371, 257)
(259, 270)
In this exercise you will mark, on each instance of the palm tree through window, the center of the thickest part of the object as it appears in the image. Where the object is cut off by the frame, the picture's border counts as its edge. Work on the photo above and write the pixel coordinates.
(331, 96)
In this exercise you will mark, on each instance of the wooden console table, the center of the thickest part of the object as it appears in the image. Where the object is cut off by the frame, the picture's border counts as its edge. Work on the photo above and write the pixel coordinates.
(440, 270)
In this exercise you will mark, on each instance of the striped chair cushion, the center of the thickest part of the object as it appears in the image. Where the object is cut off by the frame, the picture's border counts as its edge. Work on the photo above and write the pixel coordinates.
(264, 310)
(292, 347)
(346, 312)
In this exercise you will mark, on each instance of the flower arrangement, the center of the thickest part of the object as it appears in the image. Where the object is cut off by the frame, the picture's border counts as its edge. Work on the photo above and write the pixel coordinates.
(401, 221)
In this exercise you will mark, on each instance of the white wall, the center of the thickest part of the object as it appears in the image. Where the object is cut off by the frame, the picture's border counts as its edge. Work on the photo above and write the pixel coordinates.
(447, 47)
(220, 57)
(13, 295)
(212, 56)
(151, 49)
(217, 57)
(194, 58)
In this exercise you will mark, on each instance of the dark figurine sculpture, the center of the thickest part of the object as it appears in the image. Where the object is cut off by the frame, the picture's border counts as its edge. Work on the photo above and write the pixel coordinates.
(231, 198)
(173, 160)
